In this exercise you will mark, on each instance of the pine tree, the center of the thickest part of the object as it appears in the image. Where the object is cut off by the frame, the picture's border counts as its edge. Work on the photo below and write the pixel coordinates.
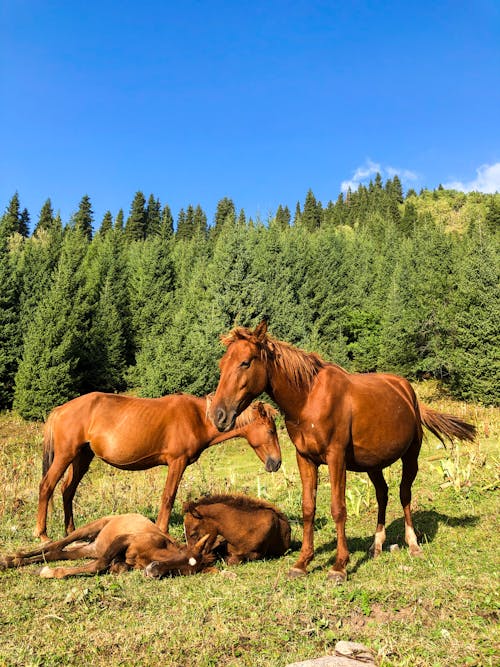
(311, 215)
(12, 215)
(10, 334)
(47, 373)
(167, 223)
(106, 224)
(119, 221)
(24, 223)
(46, 217)
(153, 217)
(283, 217)
(135, 227)
(409, 219)
(84, 217)
(225, 210)
(474, 344)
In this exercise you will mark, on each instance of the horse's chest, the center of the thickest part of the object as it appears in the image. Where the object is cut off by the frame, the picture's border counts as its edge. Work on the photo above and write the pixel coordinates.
(309, 439)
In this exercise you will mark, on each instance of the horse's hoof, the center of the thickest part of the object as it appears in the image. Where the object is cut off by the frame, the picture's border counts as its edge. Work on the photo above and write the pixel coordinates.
(46, 572)
(295, 573)
(416, 552)
(336, 577)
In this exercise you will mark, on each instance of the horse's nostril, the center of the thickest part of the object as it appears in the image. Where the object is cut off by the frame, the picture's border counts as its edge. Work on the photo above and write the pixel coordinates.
(272, 465)
(221, 416)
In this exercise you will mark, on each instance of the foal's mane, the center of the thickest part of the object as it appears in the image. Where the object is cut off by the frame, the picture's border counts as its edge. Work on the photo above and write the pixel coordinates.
(248, 415)
(238, 501)
(299, 366)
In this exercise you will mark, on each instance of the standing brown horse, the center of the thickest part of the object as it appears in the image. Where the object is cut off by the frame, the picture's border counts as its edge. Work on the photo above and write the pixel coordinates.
(348, 421)
(137, 434)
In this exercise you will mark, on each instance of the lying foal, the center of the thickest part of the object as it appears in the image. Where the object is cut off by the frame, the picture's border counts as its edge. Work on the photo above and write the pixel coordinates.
(116, 543)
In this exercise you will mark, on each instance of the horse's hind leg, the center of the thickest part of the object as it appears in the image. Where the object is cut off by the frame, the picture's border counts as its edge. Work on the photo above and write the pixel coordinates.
(382, 493)
(77, 470)
(410, 469)
(46, 489)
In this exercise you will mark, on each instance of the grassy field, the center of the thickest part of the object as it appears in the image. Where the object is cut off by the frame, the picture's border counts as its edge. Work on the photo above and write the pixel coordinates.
(435, 611)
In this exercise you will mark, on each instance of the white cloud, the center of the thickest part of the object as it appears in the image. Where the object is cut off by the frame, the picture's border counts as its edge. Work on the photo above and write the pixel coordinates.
(487, 180)
(370, 168)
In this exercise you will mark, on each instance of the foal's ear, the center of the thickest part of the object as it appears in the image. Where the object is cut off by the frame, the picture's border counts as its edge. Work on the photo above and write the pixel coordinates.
(261, 330)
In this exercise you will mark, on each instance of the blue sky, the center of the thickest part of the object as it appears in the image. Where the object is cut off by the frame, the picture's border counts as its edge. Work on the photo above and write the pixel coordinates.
(257, 101)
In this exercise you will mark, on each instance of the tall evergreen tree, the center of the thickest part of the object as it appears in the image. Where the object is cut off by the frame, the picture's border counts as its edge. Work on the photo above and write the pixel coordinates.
(106, 224)
(12, 215)
(135, 227)
(225, 210)
(47, 373)
(153, 217)
(119, 220)
(24, 223)
(84, 217)
(167, 223)
(10, 335)
(46, 217)
(311, 215)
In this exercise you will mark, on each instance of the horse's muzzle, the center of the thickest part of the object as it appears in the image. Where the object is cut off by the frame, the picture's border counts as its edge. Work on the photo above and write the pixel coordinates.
(272, 465)
(223, 420)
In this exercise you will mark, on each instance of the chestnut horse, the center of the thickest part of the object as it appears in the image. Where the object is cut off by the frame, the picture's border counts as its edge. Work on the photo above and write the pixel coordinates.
(116, 543)
(348, 421)
(251, 528)
(137, 434)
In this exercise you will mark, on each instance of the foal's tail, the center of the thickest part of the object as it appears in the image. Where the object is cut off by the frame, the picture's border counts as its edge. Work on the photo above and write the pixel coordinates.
(442, 424)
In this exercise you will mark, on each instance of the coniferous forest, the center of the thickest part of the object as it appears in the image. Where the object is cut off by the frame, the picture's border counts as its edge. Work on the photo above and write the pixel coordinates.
(375, 280)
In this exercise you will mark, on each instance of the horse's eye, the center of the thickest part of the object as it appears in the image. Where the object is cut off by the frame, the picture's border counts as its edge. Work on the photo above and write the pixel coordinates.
(245, 364)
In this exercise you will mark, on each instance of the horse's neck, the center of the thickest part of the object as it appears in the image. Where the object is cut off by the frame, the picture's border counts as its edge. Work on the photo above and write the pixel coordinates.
(285, 393)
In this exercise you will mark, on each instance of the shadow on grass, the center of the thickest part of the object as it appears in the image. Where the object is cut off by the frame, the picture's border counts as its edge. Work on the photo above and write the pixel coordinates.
(426, 526)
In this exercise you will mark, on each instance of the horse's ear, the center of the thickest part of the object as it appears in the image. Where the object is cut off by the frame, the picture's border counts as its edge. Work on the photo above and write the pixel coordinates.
(261, 330)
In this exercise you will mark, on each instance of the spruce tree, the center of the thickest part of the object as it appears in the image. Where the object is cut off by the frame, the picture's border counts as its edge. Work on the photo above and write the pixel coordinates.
(84, 217)
(225, 210)
(46, 217)
(153, 217)
(167, 223)
(24, 223)
(119, 221)
(47, 373)
(10, 333)
(311, 215)
(135, 227)
(11, 217)
(474, 342)
(106, 224)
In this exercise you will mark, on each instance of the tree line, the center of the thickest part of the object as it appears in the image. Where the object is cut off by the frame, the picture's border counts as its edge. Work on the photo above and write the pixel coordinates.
(374, 281)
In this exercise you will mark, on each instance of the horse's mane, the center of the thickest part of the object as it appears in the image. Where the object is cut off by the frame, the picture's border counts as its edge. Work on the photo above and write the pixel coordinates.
(238, 501)
(299, 366)
(247, 416)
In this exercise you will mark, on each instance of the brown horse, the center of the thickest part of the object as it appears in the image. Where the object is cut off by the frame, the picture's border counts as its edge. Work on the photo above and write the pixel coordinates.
(117, 543)
(360, 422)
(251, 528)
(137, 434)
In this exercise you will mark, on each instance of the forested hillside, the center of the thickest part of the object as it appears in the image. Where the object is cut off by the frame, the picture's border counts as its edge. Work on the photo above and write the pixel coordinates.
(374, 280)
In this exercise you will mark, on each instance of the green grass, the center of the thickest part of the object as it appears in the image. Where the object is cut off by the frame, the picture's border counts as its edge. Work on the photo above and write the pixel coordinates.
(439, 610)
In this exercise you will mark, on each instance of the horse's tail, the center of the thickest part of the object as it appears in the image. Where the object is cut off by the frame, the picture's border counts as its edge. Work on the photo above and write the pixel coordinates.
(443, 425)
(48, 443)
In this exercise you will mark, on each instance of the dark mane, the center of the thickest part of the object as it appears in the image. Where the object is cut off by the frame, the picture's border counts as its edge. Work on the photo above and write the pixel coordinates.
(299, 366)
(238, 501)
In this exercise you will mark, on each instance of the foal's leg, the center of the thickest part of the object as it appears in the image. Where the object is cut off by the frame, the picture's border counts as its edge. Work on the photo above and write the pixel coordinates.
(94, 567)
(175, 471)
(410, 469)
(337, 471)
(78, 468)
(309, 477)
(382, 493)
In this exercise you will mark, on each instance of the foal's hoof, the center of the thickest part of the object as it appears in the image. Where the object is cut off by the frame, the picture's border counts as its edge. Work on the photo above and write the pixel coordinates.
(337, 577)
(296, 573)
(152, 570)
(46, 572)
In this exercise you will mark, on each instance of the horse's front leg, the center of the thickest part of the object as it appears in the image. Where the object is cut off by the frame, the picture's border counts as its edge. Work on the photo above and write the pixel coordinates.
(337, 472)
(309, 477)
(175, 471)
